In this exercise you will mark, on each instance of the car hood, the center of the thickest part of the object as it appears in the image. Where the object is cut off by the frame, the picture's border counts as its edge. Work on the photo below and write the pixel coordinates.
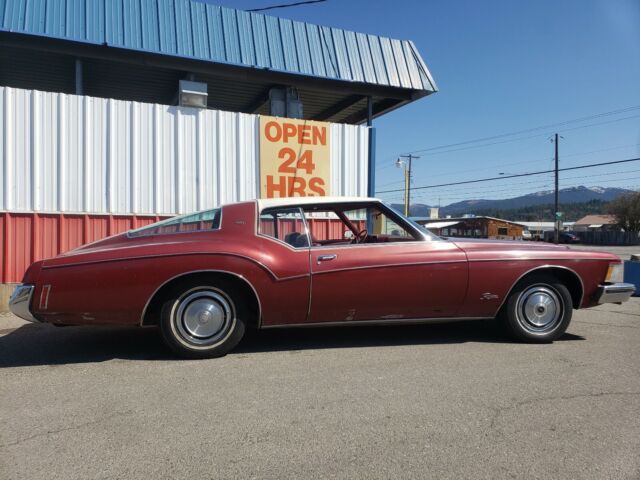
(481, 249)
(474, 243)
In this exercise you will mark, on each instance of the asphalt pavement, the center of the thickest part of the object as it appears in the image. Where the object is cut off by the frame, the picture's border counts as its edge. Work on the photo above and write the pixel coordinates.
(431, 401)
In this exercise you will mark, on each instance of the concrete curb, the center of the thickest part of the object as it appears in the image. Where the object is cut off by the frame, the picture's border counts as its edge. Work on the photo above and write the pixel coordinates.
(9, 321)
(5, 292)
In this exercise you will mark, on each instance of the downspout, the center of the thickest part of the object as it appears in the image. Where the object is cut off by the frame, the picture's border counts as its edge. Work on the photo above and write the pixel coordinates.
(371, 173)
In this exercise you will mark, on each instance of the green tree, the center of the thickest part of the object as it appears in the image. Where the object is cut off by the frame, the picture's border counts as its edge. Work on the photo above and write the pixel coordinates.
(626, 209)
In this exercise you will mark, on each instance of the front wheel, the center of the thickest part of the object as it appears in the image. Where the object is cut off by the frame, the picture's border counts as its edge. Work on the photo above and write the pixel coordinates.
(202, 321)
(538, 310)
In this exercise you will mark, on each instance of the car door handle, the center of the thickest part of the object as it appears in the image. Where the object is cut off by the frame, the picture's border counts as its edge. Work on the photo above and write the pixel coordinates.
(326, 258)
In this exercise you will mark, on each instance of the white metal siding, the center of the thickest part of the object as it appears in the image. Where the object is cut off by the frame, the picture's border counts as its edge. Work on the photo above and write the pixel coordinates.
(73, 153)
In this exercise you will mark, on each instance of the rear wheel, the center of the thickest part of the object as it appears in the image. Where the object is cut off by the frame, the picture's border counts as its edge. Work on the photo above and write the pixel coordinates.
(538, 310)
(203, 321)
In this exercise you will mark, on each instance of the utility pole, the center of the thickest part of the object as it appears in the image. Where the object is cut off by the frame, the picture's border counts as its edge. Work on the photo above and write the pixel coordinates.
(407, 180)
(556, 230)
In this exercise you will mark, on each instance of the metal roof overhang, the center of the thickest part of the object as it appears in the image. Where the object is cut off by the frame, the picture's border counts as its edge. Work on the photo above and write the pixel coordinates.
(141, 76)
(127, 56)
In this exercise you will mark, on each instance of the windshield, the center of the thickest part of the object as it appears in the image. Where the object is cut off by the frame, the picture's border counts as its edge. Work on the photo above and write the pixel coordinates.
(426, 233)
(424, 230)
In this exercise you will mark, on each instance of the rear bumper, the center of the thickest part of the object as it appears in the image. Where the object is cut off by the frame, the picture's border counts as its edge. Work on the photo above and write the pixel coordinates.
(20, 302)
(614, 292)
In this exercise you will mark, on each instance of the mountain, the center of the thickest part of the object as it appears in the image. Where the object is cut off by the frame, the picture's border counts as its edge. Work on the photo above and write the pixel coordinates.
(573, 195)
(567, 195)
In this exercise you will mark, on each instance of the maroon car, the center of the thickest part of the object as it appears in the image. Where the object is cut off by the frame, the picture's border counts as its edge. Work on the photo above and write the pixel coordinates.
(206, 278)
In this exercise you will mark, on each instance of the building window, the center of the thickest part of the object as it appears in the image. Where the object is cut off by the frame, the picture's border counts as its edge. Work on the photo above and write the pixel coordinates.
(503, 231)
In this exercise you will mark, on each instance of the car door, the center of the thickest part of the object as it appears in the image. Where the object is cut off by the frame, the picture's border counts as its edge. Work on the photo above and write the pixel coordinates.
(284, 243)
(395, 279)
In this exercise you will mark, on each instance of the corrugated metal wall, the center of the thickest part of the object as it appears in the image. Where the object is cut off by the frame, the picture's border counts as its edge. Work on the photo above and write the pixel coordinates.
(75, 169)
(78, 154)
(27, 237)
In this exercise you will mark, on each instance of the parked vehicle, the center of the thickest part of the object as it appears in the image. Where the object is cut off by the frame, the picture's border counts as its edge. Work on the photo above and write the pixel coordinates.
(563, 237)
(206, 278)
(526, 235)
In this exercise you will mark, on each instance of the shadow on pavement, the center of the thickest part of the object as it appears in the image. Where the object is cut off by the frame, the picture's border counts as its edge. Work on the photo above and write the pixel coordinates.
(47, 345)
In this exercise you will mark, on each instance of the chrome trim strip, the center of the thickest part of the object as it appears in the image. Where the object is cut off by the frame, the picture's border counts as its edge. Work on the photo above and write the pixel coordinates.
(20, 302)
(615, 292)
(142, 257)
(529, 259)
(146, 305)
(540, 267)
(398, 321)
(387, 265)
(368, 245)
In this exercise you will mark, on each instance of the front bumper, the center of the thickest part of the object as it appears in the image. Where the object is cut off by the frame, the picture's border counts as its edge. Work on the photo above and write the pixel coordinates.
(614, 292)
(20, 302)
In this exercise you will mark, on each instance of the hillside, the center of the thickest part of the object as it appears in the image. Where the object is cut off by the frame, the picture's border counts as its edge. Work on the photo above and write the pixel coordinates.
(544, 213)
(571, 195)
(575, 202)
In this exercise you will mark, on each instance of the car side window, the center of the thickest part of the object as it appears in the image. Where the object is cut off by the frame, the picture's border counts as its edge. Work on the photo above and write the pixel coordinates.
(195, 222)
(286, 225)
(353, 226)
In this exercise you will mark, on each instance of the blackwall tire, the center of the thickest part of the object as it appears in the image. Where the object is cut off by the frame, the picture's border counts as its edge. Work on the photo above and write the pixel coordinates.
(538, 310)
(203, 321)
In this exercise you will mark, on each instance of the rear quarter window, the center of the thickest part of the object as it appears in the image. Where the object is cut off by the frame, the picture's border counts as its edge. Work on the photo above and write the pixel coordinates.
(196, 222)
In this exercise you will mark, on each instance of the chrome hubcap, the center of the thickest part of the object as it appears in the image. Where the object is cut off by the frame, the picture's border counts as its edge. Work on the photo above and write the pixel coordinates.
(539, 309)
(204, 317)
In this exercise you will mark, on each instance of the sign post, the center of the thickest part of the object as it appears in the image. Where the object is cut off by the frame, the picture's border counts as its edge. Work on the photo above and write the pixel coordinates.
(295, 158)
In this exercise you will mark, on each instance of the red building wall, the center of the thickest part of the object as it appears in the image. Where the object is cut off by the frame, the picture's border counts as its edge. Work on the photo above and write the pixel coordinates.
(28, 237)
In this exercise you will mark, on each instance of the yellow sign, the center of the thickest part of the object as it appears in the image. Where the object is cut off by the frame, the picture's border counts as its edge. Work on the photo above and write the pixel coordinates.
(294, 158)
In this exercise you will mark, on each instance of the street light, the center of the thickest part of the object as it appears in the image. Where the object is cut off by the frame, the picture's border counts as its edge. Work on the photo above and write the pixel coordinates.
(192, 94)
(407, 173)
(407, 179)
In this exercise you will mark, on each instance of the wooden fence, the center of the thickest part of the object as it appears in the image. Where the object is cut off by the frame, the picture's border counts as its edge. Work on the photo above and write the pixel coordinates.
(609, 238)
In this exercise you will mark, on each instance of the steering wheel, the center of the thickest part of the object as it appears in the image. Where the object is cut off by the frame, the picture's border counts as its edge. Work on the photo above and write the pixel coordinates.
(361, 236)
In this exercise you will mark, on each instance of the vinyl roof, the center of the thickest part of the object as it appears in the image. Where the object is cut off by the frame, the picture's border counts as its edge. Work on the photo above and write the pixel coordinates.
(295, 201)
(197, 30)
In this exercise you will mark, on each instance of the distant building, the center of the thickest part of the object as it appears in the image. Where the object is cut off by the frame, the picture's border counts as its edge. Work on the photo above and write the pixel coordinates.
(537, 229)
(597, 223)
(434, 214)
(475, 227)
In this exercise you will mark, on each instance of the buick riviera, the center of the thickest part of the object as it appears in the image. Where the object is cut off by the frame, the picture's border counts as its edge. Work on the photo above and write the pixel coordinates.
(205, 279)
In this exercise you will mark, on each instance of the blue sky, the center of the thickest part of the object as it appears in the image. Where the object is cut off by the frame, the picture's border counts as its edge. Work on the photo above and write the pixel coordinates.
(503, 66)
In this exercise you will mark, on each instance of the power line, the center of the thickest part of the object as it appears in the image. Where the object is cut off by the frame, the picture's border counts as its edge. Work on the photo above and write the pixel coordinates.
(491, 167)
(382, 167)
(523, 163)
(520, 132)
(524, 138)
(505, 177)
(455, 199)
(285, 5)
(528, 186)
(531, 186)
